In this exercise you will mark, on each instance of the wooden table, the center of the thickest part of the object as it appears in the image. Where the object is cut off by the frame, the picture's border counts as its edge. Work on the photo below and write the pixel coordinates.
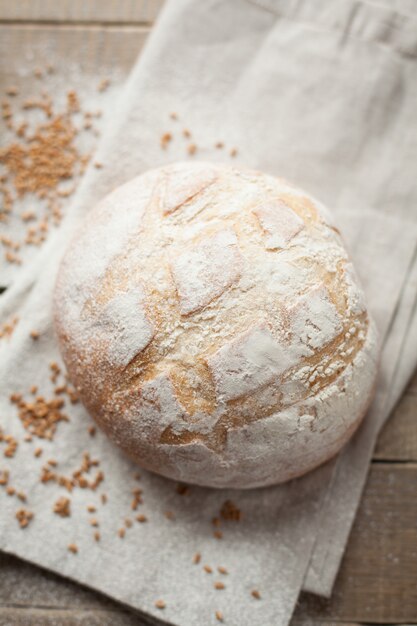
(377, 583)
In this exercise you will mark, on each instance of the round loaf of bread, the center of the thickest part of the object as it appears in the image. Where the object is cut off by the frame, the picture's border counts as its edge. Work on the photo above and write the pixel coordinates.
(213, 325)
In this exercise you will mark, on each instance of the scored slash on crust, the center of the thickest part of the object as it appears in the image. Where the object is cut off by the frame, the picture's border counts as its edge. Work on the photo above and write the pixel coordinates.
(279, 224)
(204, 271)
(314, 321)
(126, 326)
(250, 361)
(182, 186)
(216, 393)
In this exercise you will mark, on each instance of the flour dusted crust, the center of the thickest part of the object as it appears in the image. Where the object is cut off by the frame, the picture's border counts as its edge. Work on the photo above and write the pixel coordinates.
(213, 325)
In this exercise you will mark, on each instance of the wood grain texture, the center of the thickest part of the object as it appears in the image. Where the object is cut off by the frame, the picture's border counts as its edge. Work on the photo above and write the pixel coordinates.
(77, 11)
(398, 439)
(65, 617)
(377, 579)
(412, 387)
(86, 50)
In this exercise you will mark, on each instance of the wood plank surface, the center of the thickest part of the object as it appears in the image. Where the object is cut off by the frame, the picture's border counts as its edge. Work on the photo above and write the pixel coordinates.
(81, 11)
(377, 580)
(119, 11)
(64, 617)
(412, 387)
(398, 439)
(87, 51)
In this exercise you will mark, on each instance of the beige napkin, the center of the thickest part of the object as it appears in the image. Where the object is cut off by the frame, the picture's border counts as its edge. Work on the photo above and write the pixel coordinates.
(280, 82)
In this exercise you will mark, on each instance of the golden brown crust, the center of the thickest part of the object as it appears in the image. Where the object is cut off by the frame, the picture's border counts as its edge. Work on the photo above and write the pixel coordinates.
(213, 325)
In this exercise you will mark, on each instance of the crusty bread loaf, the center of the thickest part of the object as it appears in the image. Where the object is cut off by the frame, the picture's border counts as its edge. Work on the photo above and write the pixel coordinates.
(214, 327)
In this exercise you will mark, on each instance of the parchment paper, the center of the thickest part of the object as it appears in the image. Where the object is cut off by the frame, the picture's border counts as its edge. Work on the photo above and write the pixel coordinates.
(281, 84)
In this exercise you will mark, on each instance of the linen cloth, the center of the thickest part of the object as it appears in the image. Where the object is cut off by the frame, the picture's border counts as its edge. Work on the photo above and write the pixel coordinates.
(58, 84)
(322, 93)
